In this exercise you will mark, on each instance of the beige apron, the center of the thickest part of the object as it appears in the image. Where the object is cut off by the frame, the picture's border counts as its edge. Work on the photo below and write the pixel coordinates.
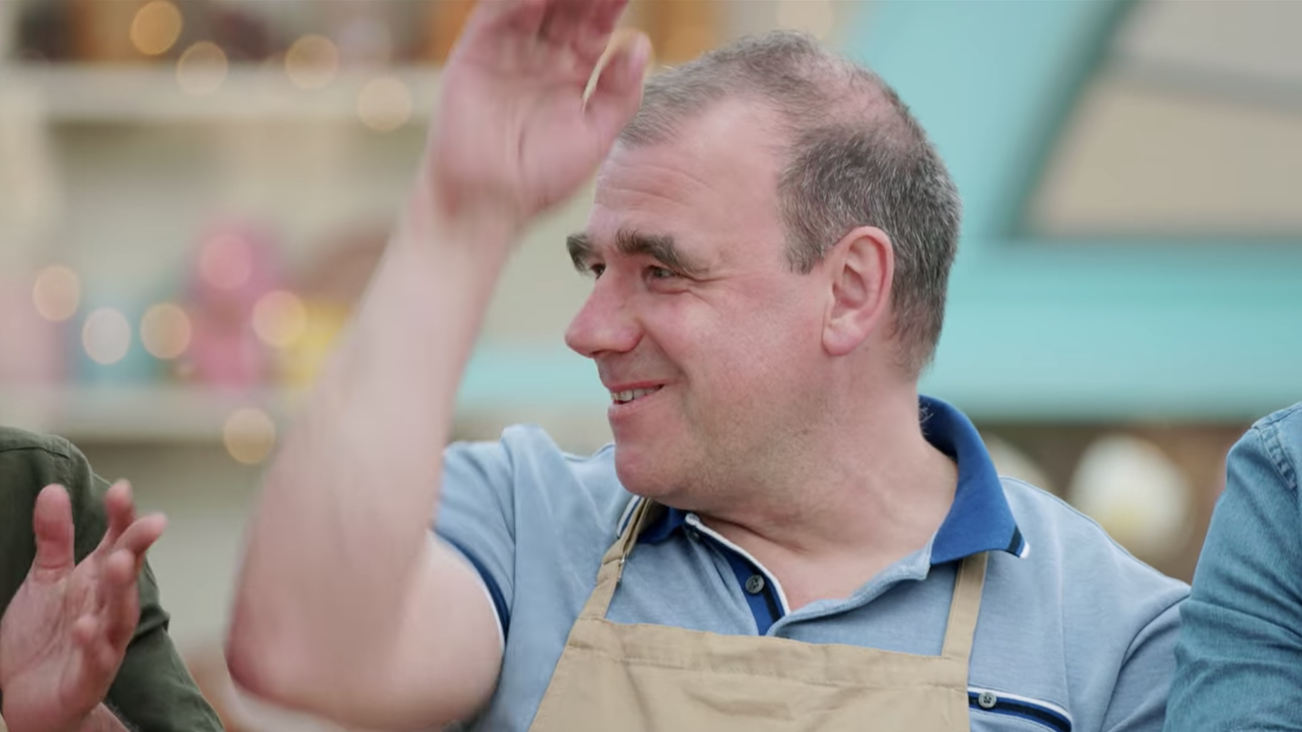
(626, 678)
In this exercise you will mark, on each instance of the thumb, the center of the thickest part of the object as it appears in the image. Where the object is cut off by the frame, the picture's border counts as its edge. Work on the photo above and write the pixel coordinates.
(52, 524)
(617, 94)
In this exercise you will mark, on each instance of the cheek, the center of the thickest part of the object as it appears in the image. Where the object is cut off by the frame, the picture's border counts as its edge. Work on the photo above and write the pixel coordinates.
(736, 343)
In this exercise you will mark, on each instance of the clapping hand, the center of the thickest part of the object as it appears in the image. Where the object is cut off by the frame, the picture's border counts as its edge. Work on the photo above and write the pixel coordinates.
(66, 632)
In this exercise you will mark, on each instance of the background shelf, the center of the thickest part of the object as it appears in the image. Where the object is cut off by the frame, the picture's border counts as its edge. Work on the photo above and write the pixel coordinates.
(83, 93)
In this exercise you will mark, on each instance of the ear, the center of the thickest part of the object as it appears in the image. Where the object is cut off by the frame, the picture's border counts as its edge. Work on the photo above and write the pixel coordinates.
(861, 266)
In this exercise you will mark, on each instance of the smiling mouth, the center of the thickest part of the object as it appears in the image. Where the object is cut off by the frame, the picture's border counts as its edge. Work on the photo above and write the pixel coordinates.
(632, 395)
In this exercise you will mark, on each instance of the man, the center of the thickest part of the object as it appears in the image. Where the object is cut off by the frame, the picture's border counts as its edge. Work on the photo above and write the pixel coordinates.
(83, 641)
(1239, 661)
(780, 538)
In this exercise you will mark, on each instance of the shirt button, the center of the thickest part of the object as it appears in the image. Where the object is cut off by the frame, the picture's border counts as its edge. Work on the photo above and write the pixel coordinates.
(987, 700)
(755, 584)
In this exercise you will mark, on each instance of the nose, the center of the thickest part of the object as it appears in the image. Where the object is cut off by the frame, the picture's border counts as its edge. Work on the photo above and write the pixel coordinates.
(605, 323)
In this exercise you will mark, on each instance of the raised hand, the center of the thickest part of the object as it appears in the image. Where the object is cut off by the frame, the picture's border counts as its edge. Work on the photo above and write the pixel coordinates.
(66, 632)
(513, 133)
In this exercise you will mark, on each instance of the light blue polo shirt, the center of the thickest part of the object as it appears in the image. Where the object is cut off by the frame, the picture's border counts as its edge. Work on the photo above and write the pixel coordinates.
(1074, 633)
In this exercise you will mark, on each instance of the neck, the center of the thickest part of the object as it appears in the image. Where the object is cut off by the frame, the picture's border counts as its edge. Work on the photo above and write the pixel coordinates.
(871, 491)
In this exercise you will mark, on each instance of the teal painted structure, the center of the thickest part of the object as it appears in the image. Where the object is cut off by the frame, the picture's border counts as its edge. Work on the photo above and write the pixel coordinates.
(1117, 329)
(1036, 330)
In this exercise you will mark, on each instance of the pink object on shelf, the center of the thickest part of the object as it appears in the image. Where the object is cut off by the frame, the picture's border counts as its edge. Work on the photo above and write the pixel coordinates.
(234, 266)
(31, 348)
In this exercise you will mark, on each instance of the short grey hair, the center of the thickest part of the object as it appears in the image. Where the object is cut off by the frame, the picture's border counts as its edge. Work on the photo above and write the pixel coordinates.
(853, 156)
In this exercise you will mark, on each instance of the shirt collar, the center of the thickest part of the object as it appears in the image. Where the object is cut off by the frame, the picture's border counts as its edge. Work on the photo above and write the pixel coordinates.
(980, 518)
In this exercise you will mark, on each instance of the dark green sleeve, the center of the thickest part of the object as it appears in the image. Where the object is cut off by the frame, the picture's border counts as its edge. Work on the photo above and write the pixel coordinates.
(153, 691)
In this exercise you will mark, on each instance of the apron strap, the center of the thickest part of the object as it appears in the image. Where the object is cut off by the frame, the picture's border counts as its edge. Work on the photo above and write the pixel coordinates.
(612, 565)
(965, 607)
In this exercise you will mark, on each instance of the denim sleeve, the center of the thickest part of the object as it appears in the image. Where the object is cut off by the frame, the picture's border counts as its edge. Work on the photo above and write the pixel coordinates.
(1239, 658)
(477, 516)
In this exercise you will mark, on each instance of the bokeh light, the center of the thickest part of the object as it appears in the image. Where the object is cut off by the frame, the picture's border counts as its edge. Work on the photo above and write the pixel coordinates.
(201, 69)
(226, 261)
(1014, 463)
(279, 319)
(57, 293)
(817, 17)
(165, 331)
(312, 62)
(687, 41)
(1137, 493)
(384, 104)
(249, 435)
(106, 336)
(155, 27)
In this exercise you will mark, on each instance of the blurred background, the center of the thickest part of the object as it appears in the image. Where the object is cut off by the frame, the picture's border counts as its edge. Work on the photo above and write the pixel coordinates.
(193, 194)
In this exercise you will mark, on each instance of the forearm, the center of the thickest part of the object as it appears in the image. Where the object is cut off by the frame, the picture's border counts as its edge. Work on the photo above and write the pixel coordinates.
(347, 505)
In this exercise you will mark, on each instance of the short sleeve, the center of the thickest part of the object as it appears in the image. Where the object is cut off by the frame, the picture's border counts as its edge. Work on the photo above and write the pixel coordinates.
(476, 516)
(1139, 698)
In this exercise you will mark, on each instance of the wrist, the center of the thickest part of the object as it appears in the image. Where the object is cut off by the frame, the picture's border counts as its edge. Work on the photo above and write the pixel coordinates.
(98, 719)
(436, 214)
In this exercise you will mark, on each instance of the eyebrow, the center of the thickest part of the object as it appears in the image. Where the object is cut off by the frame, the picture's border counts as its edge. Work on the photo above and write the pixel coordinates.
(631, 243)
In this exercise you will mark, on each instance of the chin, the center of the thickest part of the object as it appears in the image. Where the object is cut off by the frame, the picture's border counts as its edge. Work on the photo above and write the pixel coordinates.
(641, 471)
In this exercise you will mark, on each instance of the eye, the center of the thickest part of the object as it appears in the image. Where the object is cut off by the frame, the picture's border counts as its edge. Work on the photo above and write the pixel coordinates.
(659, 273)
(596, 269)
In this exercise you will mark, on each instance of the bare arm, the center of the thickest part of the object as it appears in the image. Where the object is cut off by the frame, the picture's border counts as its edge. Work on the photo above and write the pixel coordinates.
(340, 576)
(345, 607)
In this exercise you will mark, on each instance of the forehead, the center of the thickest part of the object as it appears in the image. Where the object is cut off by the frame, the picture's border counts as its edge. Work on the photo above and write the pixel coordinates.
(716, 180)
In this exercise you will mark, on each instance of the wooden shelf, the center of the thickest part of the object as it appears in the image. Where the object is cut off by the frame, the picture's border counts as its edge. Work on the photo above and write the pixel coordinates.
(180, 415)
(152, 95)
(172, 414)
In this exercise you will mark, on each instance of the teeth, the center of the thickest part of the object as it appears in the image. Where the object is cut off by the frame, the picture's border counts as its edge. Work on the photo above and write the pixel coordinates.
(623, 397)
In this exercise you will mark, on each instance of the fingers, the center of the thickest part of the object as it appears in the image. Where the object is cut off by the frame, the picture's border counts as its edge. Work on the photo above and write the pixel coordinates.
(618, 92)
(120, 600)
(105, 635)
(583, 26)
(607, 15)
(101, 656)
(85, 631)
(121, 512)
(139, 536)
(503, 18)
(52, 524)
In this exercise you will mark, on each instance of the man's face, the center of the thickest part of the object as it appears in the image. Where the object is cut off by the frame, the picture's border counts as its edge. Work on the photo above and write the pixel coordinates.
(709, 343)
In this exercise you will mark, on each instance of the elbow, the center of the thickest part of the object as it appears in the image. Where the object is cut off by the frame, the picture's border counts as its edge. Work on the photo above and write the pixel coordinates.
(275, 667)
(261, 660)
(264, 643)
(253, 664)
(273, 658)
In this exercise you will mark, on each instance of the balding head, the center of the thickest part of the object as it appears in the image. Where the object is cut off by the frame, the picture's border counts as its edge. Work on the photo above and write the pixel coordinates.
(853, 155)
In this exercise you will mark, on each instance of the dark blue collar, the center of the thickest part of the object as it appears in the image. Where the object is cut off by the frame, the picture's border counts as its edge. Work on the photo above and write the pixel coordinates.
(979, 520)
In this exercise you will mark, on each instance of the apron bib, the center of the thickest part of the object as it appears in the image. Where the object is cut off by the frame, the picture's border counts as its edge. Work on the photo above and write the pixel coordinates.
(652, 678)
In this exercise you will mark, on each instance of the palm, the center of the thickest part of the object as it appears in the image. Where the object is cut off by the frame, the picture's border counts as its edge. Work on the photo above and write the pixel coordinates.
(50, 670)
(66, 631)
(512, 127)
